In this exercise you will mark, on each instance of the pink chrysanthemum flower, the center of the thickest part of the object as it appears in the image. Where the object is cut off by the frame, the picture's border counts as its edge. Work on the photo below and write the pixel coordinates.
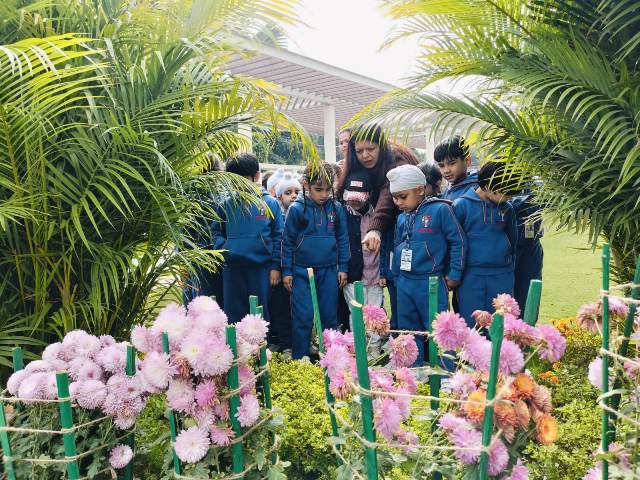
(79, 343)
(124, 422)
(594, 474)
(406, 380)
(375, 319)
(204, 417)
(618, 308)
(248, 411)
(462, 384)
(221, 411)
(595, 373)
(553, 343)
(410, 439)
(386, 417)
(112, 358)
(632, 368)
(498, 457)
(89, 371)
(53, 352)
(157, 369)
(91, 394)
(221, 436)
(381, 380)
(519, 472)
(482, 318)
(477, 351)
(403, 351)
(172, 319)
(124, 401)
(505, 303)
(404, 405)
(206, 394)
(450, 330)
(469, 444)
(246, 379)
(517, 330)
(334, 337)
(39, 366)
(340, 384)
(207, 356)
(252, 329)
(207, 314)
(511, 358)
(589, 317)
(246, 350)
(32, 386)
(336, 359)
(139, 338)
(181, 395)
(192, 445)
(120, 456)
(16, 378)
(106, 340)
(449, 422)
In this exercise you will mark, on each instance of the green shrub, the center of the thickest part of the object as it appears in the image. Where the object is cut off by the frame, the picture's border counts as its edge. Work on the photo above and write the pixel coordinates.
(298, 390)
(152, 440)
(572, 455)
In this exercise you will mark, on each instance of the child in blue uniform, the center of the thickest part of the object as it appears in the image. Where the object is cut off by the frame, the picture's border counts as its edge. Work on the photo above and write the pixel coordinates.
(315, 235)
(251, 236)
(529, 253)
(287, 190)
(429, 241)
(490, 224)
(454, 160)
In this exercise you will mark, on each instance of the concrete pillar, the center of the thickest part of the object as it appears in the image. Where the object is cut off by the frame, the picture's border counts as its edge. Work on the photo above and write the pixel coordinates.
(329, 133)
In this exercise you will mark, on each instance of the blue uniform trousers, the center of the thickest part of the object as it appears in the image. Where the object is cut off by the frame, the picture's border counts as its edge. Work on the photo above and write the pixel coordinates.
(477, 291)
(413, 307)
(240, 282)
(302, 307)
(528, 267)
(203, 282)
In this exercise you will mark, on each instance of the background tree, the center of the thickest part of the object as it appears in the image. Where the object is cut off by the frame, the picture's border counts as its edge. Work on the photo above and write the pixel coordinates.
(104, 137)
(550, 86)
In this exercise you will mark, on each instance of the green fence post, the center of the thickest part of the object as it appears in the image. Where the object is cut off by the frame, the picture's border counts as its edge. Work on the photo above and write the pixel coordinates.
(18, 359)
(318, 326)
(265, 382)
(130, 370)
(371, 457)
(234, 401)
(605, 357)
(173, 424)
(624, 346)
(18, 364)
(496, 331)
(434, 380)
(66, 421)
(532, 308)
(253, 304)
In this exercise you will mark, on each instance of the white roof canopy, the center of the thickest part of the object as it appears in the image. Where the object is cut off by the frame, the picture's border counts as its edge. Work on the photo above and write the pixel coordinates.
(321, 97)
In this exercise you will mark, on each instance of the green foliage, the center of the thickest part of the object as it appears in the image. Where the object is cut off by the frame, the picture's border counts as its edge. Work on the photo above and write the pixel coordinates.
(103, 141)
(550, 86)
(152, 439)
(572, 454)
(298, 390)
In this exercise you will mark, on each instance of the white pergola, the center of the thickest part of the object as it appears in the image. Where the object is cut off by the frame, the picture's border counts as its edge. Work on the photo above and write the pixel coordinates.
(321, 97)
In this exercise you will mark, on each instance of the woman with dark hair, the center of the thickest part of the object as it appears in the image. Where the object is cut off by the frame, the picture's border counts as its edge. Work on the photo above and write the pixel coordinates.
(370, 151)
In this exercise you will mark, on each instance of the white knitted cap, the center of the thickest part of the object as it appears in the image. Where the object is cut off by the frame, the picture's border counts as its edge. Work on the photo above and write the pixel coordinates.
(405, 177)
(274, 179)
(287, 181)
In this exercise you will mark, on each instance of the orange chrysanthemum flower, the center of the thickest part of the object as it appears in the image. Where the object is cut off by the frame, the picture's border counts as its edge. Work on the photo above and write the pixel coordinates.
(523, 415)
(547, 430)
(525, 385)
(542, 399)
(505, 414)
(475, 411)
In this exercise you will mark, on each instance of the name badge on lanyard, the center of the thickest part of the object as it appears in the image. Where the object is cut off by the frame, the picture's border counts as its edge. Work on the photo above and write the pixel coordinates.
(405, 259)
(529, 229)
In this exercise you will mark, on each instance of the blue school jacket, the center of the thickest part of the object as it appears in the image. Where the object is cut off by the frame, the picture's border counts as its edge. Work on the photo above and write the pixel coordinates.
(252, 234)
(435, 238)
(470, 182)
(315, 236)
(491, 233)
(528, 219)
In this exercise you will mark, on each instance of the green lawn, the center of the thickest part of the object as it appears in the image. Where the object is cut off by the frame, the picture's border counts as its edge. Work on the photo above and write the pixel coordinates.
(571, 274)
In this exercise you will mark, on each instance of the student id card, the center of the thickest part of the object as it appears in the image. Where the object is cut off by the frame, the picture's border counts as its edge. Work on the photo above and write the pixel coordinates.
(405, 260)
(529, 229)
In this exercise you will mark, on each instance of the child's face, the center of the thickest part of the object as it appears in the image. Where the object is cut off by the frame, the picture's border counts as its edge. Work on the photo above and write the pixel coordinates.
(319, 192)
(289, 196)
(408, 200)
(343, 143)
(454, 169)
